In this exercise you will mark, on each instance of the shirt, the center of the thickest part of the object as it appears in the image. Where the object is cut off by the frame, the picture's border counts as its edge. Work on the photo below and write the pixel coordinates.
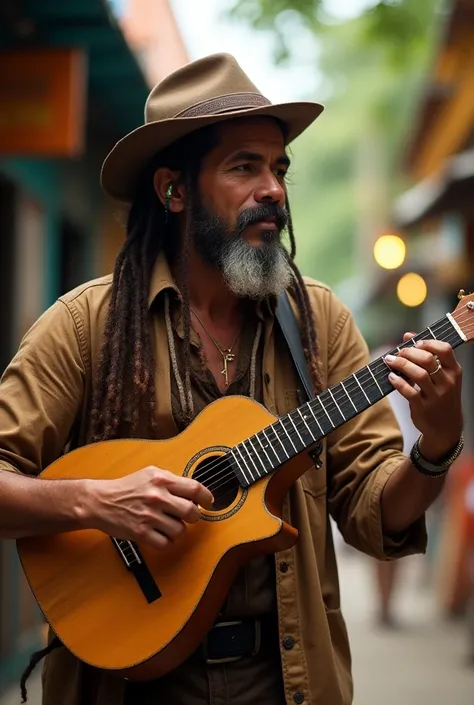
(45, 395)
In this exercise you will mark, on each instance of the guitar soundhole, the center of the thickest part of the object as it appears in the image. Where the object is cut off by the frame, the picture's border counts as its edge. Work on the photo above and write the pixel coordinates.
(216, 474)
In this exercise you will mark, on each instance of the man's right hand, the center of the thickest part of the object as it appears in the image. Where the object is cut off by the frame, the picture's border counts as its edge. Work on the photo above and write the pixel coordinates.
(149, 506)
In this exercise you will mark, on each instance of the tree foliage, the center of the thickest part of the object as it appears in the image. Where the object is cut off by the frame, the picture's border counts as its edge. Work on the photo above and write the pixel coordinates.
(397, 26)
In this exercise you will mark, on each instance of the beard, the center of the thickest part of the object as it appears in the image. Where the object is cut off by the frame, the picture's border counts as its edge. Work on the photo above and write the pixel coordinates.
(250, 271)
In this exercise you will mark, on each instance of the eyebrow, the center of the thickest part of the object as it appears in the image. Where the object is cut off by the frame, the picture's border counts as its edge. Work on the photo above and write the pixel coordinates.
(255, 157)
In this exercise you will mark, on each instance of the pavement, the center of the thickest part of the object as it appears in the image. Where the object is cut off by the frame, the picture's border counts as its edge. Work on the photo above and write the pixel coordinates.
(422, 661)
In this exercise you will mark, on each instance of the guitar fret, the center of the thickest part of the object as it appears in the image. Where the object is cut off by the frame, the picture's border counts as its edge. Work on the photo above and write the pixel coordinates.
(326, 412)
(270, 445)
(258, 457)
(349, 397)
(338, 407)
(280, 441)
(245, 465)
(264, 450)
(249, 454)
(315, 418)
(289, 437)
(375, 379)
(298, 433)
(306, 424)
(432, 333)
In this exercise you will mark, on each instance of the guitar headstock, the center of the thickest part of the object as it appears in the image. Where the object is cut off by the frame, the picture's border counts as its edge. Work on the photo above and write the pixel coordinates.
(463, 314)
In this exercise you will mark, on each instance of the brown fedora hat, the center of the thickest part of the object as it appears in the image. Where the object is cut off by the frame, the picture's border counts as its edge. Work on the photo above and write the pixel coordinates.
(203, 92)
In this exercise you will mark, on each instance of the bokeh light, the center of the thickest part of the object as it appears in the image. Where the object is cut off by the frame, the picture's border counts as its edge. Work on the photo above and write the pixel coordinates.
(389, 251)
(411, 289)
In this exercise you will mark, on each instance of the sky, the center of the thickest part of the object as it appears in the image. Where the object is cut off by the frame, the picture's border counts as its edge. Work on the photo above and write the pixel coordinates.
(206, 31)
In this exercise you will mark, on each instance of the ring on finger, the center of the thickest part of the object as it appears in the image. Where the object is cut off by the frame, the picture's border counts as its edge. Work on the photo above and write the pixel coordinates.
(438, 368)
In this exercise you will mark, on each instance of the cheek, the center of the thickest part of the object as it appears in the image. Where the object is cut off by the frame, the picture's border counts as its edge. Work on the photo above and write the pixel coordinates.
(226, 195)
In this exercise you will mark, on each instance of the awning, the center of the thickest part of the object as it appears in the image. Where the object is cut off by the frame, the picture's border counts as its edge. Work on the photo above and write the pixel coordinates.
(117, 87)
(451, 190)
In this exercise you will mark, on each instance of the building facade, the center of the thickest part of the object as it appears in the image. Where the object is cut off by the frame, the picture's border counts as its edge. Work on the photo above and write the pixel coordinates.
(70, 86)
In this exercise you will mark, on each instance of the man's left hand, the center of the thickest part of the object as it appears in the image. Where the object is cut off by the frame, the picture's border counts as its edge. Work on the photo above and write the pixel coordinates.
(433, 390)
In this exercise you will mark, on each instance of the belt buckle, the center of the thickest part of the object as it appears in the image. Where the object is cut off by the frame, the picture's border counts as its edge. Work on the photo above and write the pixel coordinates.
(232, 659)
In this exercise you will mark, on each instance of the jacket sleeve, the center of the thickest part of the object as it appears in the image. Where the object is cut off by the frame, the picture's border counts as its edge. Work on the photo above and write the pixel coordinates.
(41, 392)
(362, 454)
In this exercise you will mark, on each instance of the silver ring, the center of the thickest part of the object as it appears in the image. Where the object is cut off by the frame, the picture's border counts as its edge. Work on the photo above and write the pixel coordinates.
(438, 368)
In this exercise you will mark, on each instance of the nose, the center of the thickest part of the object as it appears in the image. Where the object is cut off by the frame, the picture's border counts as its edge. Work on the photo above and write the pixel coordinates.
(270, 190)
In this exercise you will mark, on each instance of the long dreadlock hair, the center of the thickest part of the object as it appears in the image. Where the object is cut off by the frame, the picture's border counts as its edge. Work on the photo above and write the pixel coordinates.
(124, 393)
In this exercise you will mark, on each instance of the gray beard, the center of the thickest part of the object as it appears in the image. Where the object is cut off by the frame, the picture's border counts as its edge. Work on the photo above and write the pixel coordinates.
(250, 271)
(255, 272)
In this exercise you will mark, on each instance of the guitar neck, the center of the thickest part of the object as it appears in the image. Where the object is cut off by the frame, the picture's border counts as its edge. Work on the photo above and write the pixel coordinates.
(304, 427)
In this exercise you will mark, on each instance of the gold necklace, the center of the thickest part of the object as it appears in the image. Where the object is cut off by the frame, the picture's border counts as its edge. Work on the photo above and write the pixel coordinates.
(227, 354)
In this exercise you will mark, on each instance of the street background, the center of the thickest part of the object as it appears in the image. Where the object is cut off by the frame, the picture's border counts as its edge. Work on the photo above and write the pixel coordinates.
(381, 192)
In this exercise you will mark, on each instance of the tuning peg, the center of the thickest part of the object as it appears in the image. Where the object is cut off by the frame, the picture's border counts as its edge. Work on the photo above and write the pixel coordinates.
(461, 294)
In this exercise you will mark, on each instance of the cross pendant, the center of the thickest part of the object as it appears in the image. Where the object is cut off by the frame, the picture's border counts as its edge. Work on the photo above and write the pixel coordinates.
(227, 357)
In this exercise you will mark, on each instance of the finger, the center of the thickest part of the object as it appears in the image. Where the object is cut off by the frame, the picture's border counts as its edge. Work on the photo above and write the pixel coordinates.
(169, 526)
(408, 336)
(154, 539)
(180, 508)
(422, 358)
(443, 350)
(404, 387)
(414, 372)
(190, 489)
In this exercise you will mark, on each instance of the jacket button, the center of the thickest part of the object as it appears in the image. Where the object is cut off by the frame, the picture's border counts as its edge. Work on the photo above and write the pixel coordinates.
(284, 567)
(298, 698)
(288, 642)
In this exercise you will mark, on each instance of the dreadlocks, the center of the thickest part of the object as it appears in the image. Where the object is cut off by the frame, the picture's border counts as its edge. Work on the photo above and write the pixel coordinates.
(124, 394)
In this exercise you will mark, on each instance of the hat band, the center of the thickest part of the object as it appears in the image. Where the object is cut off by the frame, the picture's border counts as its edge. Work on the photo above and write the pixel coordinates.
(225, 104)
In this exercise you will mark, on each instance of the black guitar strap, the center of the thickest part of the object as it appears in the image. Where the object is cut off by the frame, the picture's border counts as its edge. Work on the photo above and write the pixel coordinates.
(289, 326)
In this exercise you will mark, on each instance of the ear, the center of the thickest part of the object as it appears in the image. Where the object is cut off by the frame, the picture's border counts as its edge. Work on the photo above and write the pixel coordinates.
(162, 180)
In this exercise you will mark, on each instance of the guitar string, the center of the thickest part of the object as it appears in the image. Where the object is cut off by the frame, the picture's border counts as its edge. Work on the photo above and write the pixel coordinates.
(224, 462)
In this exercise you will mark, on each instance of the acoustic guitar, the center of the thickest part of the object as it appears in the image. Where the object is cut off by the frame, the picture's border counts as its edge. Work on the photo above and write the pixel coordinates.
(140, 612)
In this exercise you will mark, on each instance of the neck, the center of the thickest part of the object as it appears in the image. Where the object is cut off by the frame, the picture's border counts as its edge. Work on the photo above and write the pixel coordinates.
(208, 293)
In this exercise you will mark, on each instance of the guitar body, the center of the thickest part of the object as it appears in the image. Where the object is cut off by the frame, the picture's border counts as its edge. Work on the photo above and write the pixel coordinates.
(94, 603)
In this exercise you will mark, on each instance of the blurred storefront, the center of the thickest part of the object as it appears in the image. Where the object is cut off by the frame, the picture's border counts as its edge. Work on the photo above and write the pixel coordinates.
(437, 217)
(70, 86)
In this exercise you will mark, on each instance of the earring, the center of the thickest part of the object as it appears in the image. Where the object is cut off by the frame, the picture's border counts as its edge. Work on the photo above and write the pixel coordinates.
(169, 192)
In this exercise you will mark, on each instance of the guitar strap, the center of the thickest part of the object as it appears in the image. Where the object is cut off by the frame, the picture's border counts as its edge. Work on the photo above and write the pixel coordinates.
(289, 326)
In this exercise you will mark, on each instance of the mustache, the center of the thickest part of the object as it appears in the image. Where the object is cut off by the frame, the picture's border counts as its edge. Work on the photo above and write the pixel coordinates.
(262, 212)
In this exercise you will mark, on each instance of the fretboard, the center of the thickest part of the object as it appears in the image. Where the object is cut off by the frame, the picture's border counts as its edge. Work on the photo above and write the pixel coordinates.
(304, 427)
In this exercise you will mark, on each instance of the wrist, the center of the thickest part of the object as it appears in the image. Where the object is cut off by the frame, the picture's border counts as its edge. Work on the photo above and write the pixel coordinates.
(435, 453)
(85, 504)
(434, 466)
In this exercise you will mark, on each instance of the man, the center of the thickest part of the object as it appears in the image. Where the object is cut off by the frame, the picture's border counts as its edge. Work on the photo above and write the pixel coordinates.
(188, 317)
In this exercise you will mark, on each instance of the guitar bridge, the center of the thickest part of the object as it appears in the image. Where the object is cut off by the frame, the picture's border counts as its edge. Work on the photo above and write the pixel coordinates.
(134, 563)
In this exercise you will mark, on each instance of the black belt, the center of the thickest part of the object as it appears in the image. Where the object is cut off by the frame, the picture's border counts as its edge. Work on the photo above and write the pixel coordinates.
(233, 640)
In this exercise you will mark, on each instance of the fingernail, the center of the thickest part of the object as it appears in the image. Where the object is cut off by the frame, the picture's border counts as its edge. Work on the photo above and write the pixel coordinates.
(392, 376)
(419, 343)
(390, 358)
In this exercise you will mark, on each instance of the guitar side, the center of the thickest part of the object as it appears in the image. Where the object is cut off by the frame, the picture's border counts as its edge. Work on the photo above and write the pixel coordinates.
(94, 604)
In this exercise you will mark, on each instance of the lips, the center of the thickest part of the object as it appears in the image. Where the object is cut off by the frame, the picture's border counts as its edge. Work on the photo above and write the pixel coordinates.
(267, 225)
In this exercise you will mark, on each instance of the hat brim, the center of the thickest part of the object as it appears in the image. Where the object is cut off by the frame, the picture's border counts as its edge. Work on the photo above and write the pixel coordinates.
(132, 153)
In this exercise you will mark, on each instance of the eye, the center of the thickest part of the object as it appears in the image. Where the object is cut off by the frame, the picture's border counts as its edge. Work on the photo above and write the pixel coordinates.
(242, 167)
(281, 173)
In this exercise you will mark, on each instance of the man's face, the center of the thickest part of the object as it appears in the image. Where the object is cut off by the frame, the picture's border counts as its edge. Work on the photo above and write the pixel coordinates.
(240, 213)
